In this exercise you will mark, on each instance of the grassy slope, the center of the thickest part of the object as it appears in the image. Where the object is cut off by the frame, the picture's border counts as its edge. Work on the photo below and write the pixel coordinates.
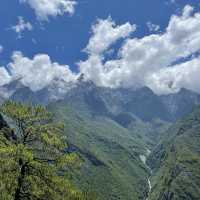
(176, 162)
(113, 170)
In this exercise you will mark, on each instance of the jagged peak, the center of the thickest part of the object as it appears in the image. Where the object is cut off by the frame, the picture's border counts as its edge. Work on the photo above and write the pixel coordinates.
(84, 83)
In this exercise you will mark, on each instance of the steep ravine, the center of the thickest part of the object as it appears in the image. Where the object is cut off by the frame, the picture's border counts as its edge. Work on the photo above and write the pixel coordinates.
(143, 158)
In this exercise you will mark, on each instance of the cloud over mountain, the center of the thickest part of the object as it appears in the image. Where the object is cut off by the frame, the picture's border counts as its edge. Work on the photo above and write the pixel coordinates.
(36, 73)
(171, 79)
(142, 61)
(165, 61)
(104, 34)
(4, 76)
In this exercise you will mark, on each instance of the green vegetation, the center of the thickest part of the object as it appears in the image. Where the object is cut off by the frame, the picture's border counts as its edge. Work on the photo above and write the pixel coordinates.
(33, 164)
(102, 148)
(176, 162)
(112, 166)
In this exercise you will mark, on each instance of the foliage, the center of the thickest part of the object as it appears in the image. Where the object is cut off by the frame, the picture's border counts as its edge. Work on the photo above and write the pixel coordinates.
(33, 161)
(112, 167)
(176, 162)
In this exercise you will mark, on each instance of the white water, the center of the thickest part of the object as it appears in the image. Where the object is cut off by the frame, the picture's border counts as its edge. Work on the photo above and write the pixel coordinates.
(149, 182)
(143, 158)
(150, 187)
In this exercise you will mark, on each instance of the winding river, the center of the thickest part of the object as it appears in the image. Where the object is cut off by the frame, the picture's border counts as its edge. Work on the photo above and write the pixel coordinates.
(143, 158)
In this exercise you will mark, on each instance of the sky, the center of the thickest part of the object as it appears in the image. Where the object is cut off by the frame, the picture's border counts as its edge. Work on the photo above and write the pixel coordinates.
(115, 43)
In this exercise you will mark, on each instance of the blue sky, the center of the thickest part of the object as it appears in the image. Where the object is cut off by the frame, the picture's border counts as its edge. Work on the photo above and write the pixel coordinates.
(64, 37)
(115, 43)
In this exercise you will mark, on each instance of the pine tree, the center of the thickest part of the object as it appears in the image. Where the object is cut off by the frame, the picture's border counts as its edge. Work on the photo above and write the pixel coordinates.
(33, 160)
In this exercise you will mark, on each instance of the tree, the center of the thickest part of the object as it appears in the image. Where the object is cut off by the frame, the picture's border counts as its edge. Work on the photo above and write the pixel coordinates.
(33, 160)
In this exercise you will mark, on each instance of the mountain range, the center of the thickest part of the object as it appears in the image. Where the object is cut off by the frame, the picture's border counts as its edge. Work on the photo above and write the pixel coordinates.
(114, 131)
(142, 102)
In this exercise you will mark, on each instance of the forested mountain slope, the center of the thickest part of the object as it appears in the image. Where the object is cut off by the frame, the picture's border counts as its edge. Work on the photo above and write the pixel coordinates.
(112, 129)
(112, 167)
(175, 162)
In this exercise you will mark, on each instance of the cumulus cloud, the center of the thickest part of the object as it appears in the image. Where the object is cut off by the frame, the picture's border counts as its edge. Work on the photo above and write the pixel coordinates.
(36, 73)
(22, 26)
(5, 78)
(171, 79)
(46, 8)
(165, 62)
(143, 59)
(105, 33)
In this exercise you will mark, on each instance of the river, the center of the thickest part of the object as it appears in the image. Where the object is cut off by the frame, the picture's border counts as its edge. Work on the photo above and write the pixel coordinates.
(143, 158)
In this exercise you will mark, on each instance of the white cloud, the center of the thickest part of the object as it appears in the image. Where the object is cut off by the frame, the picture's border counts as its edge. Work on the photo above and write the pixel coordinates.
(147, 61)
(4, 76)
(39, 72)
(140, 59)
(187, 11)
(153, 27)
(22, 26)
(185, 75)
(105, 33)
(46, 8)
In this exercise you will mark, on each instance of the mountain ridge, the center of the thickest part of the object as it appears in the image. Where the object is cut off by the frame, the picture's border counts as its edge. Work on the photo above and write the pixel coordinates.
(111, 129)
(142, 102)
